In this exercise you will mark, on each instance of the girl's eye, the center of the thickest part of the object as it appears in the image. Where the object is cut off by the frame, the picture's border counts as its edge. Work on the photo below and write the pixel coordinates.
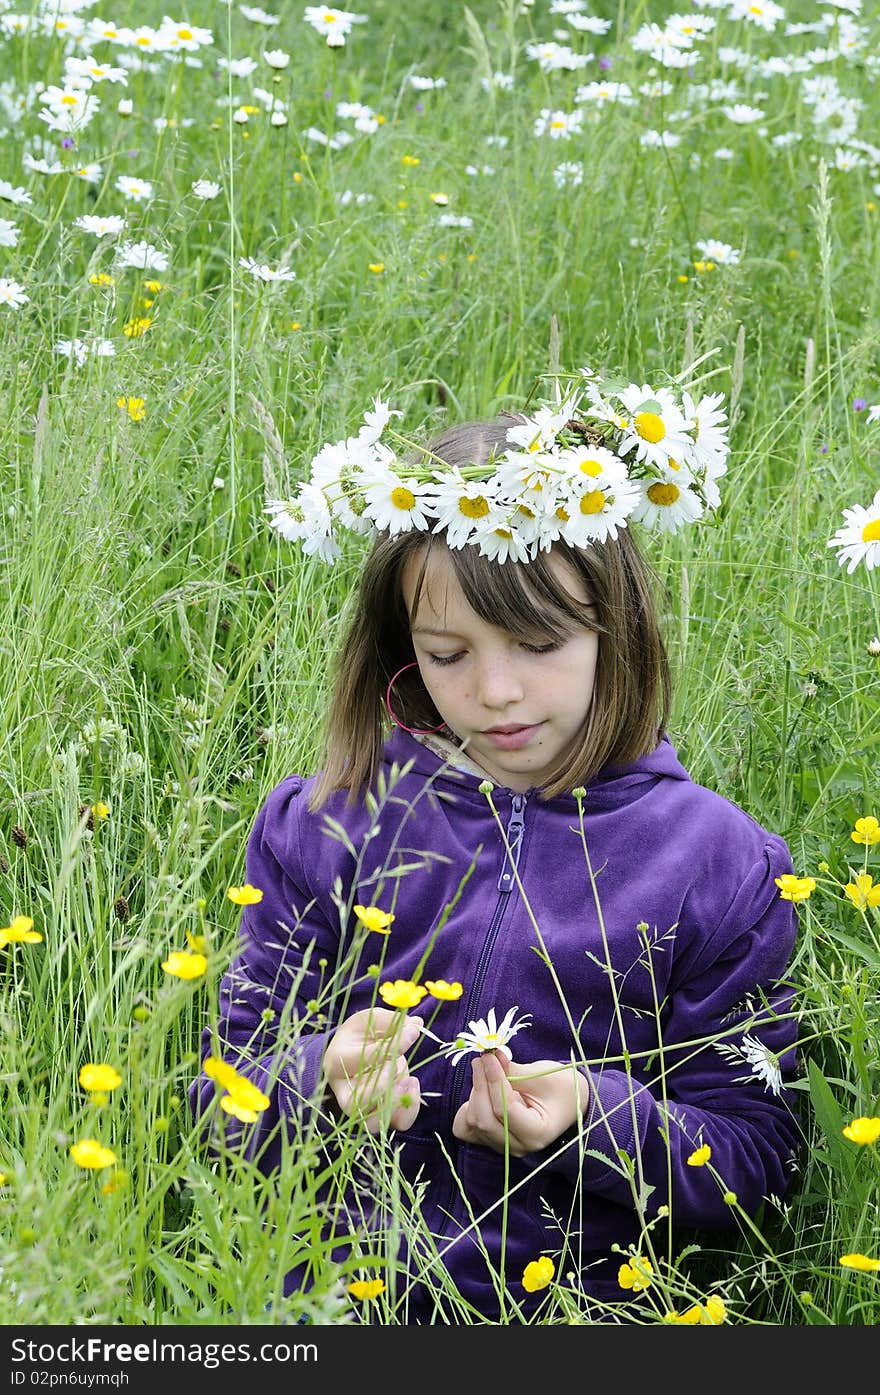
(530, 648)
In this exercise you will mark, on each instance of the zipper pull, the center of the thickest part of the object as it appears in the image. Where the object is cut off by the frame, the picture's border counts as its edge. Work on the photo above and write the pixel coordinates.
(515, 829)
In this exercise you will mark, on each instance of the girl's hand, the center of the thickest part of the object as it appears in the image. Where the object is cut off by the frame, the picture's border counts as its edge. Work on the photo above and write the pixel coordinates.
(366, 1069)
(524, 1114)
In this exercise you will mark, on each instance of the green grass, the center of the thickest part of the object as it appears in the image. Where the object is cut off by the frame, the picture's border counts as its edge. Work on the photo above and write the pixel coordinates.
(165, 653)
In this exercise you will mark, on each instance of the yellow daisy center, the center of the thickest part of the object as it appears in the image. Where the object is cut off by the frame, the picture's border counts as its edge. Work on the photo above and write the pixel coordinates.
(593, 502)
(650, 427)
(184, 33)
(491, 1038)
(474, 508)
(590, 467)
(503, 532)
(663, 493)
(871, 531)
(402, 498)
(562, 514)
(527, 511)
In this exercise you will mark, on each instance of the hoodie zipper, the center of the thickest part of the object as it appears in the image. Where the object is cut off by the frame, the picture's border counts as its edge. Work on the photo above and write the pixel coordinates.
(506, 882)
(515, 829)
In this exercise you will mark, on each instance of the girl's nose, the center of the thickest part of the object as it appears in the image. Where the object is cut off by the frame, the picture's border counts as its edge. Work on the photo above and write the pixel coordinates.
(499, 683)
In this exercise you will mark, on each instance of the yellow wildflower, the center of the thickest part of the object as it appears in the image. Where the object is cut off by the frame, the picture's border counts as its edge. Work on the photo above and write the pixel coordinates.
(374, 919)
(365, 1289)
(866, 831)
(402, 993)
(101, 279)
(133, 329)
(538, 1274)
(447, 992)
(795, 888)
(861, 1262)
(181, 964)
(21, 931)
(863, 1130)
(92, 1154)
(862, 892)
(99, 1077)
(700, 1157)
(376, 267)
(246, 895)
(636, 1274)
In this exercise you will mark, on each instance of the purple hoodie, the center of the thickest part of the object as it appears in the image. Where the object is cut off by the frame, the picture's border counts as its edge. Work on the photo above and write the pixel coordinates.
(692, 867)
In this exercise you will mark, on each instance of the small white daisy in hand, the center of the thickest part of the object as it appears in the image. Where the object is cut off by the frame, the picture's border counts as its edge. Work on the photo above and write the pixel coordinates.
(487, 1035)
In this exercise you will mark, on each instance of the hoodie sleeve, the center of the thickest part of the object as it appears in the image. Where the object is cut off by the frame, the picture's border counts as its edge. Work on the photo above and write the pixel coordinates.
(728, 1050)
(268, 1027)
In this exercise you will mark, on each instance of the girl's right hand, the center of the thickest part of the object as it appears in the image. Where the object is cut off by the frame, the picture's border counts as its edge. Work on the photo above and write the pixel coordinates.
(367, 1071)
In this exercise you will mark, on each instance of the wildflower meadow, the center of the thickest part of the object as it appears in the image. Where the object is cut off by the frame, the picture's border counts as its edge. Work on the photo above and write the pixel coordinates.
(223, 235)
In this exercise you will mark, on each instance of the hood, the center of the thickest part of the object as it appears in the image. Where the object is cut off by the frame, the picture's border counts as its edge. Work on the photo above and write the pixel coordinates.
(441, 759)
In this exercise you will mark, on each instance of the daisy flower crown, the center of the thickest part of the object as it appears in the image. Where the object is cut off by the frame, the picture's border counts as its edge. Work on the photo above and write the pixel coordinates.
(577, 467)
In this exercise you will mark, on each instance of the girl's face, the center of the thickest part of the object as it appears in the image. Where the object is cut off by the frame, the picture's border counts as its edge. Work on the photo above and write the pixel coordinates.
(481, 677)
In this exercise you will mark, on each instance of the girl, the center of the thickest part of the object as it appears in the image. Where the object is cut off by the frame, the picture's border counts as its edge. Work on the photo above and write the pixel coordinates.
(514, 940)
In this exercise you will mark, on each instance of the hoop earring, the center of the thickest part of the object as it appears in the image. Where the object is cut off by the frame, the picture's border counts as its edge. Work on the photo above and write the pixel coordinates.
(422, 730)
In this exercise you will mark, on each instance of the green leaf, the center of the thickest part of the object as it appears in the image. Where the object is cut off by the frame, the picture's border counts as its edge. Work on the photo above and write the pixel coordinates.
(830, 1120)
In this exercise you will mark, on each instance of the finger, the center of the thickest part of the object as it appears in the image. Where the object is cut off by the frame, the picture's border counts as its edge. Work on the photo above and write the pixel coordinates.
(500, 1095)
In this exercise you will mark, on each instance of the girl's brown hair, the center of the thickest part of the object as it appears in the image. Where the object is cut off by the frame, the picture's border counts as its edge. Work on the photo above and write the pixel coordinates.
(632, 692)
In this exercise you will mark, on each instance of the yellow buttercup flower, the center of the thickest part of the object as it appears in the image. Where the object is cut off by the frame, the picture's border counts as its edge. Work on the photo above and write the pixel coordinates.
(863, 1130)
(376, 267)
(862, 892)
(134, 406)
(99, 1077)
(133, 329)
(402, 993)
(447, 992)
(374, 918)
(689, 1318)
(246, 895)
(713, 1312)
(243, 1099)
(91, 1154)
(365, 1289)
(181, 964)
(700, 1157)
(636, 1274)
(538, 1274)
(866, 831)
(21, 931)
(795, 888)
(861, 1262)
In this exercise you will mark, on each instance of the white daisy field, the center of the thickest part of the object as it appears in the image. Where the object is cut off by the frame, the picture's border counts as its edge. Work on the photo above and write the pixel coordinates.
(225, 235)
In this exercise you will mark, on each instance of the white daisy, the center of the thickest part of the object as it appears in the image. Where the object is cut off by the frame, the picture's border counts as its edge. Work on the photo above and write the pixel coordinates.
(333, 24)
(11, 293)
(276, 58)
(667, 505)
(764, 1062)
(711, 250)
(741, 114)
(9, 233)
(460, 505)
(205, 188)
(570, 172)
(394, 504)
(708, 426)
(859, 538)
(142, 255)
(376, 420)
(655, 427)
(137, 189)
(539, 431)
(261, 272)
(598, 495)
(338, 471)
(559, 125)
(485, 1034)
(496, 540)
(109, 226)
(14, 194)
(305, 519)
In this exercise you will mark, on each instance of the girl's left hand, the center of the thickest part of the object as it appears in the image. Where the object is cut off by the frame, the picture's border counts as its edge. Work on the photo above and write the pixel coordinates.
(525, 1114)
